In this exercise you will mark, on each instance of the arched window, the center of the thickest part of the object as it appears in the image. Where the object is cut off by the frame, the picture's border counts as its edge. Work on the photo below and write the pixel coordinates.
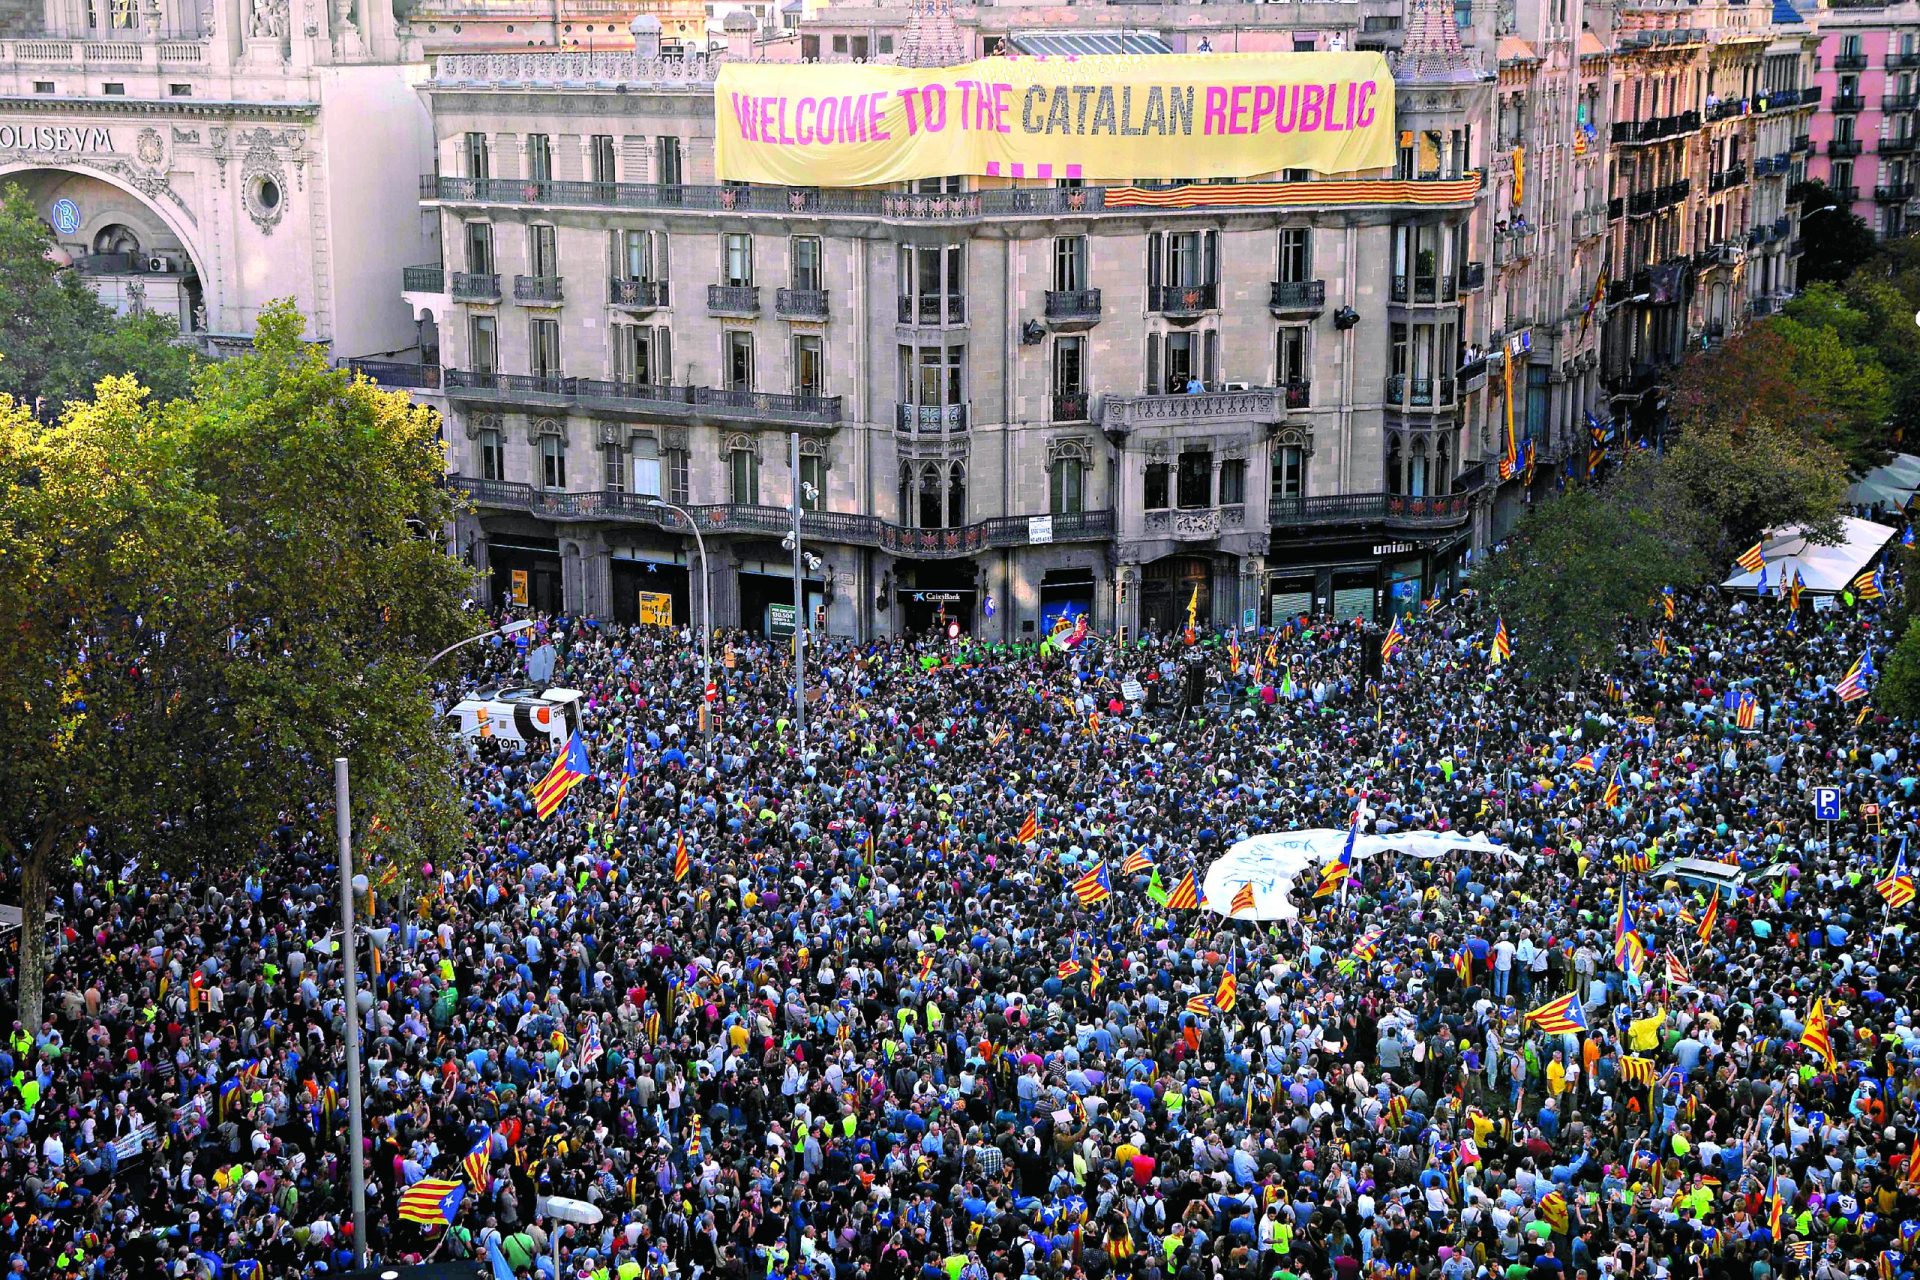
(1394, 479)
(906, 494)
(1443, 465)
(743, 472)
(1417, 470)
(956, 495)
(931, 486)
(1067, 485)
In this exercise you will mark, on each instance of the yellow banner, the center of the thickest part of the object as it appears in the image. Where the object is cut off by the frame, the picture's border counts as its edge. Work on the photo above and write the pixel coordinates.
(1101, 119)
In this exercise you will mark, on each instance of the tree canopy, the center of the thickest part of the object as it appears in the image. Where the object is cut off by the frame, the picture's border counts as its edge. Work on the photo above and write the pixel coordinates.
(57, 340)
(211, 600)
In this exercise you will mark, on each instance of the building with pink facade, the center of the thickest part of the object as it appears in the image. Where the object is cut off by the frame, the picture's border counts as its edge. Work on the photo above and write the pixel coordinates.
(1863, 135)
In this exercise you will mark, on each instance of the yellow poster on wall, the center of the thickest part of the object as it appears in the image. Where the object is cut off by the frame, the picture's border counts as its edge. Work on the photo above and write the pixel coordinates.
(656, 609)
(1103, 118)
(518, 577)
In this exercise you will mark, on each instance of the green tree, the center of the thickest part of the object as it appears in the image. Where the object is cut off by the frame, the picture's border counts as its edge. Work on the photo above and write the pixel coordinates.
(1848, 383)
(210, 600)
(1743, 478)
(1579, 564)
(56, 338)
(1898, 691)
(1789, 371)
(1834, 240)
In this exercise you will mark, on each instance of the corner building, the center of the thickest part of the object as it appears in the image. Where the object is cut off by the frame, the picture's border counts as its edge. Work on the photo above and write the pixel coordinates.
(201, 160)
(989, 377)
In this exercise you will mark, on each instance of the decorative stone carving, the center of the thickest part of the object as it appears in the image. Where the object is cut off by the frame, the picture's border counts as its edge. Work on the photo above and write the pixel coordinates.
(538, 427)
(741, 441)
(263, 183)
(812, 447)
(1292, 437)
(1077, 448)
(268, 19)
(478, 422)
(150, 149)
(185, 137)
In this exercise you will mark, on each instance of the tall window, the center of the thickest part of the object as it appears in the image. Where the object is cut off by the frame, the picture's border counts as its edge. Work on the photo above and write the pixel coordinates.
(1233, 482)
(646, 467)
(932, 284)
(613, 467)
(736, 267)
(737, 357)
(540, 157)
(493, 454)
(675, 461)
(1296, 262)
(483, 344)
(1070, 366)
(1289, 472)
(1290, 359)
(1066, 484)
(1196, 478)
(553, 462)
(809, 365)
(479, 164)
(813, 472)
(933, 378)
(1069, 264)
(480, 248)
(542, 254)
(1157, 493)
(667, 165)
(543, 349)
(1182, 259)
(600, 158)
(1175, 360)
(743, 475)
(807, 273)
(643, 354)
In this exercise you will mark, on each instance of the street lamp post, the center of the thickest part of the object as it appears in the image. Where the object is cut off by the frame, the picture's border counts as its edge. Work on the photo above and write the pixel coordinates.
(350, 979)
(706, 611)
(799, 603)
(508, 629)
(350, 970)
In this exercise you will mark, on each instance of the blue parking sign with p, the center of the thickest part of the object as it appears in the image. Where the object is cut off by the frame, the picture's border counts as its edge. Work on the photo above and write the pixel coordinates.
(1826, 804)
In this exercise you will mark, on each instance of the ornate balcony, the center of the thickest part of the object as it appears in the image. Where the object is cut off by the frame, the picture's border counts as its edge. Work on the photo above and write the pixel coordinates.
(1183, 301)
(1071, 309)
(800, 304)
(733, 299)
(645, 400)
(1121, 414)
(476, 286)
(1297, 297)
(539, 290)
(637, 295)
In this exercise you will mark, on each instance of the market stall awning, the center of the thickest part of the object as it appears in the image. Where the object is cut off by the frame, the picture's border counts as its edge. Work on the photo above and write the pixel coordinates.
(1824, 570)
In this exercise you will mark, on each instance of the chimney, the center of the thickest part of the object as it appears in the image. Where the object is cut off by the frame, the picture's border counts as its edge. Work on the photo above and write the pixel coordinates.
(739, 28)
(646, 35)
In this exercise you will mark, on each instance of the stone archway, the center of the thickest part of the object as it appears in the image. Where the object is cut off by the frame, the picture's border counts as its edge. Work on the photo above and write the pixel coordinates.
(138, 252)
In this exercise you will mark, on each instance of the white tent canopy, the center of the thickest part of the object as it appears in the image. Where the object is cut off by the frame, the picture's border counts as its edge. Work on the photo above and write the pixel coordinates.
(1273, 861)
(1823, 570)
(1890, 485)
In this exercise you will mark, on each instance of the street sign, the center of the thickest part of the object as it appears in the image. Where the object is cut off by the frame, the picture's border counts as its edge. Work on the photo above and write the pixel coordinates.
(713, 692)
(1826, 804)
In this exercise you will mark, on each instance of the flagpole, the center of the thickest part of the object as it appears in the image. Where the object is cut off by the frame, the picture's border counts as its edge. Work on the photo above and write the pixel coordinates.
(343, 826)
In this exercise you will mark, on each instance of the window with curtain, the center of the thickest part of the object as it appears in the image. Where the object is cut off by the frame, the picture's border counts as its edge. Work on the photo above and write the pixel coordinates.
(646, 467)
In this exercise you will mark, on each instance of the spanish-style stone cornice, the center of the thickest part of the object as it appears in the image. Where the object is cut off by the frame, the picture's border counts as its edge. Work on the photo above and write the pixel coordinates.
(146, 108)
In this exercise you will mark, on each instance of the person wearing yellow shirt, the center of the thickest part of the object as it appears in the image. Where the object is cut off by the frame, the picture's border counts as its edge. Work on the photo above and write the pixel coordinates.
(1557, 1074)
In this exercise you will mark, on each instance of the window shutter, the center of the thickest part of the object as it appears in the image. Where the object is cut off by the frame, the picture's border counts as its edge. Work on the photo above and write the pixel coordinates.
(1153, 363)
(634, 159)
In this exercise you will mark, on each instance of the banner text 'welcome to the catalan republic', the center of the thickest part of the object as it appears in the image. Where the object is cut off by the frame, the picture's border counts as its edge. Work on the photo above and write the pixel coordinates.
(1095, 118)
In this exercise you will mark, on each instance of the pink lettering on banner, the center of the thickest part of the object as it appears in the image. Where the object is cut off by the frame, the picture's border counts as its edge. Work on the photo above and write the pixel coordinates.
(1003, 107)
(1073, 171)
(1263, 99)
(1364, 116)
(1313, 102)
(1044, 173)
(1237, 111)
(1216, 112)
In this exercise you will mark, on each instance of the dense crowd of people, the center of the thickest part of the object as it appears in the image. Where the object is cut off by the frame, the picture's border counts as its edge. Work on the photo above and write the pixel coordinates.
(782, 1012)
